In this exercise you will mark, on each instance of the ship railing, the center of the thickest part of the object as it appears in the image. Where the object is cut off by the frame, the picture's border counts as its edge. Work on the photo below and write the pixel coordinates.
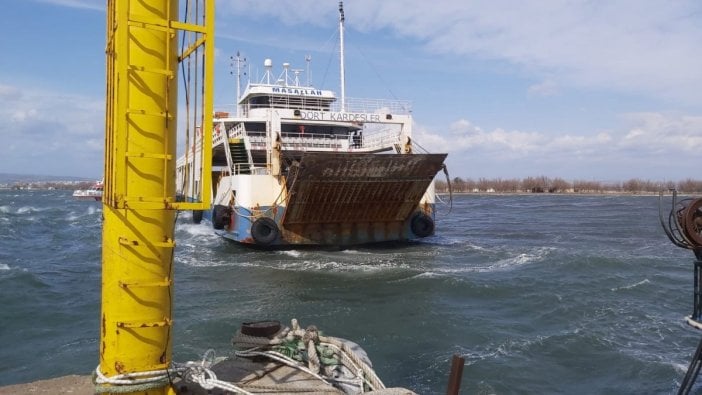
(353, 104)
(376, 141)
(217, 138)
(383, 106)
(235, 132)
(238, 131)
(379, 140)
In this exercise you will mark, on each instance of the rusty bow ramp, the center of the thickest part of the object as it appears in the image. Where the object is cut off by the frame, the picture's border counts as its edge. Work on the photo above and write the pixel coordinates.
(347, 199)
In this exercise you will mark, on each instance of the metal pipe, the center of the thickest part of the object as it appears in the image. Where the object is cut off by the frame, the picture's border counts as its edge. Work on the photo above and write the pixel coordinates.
(456, 375)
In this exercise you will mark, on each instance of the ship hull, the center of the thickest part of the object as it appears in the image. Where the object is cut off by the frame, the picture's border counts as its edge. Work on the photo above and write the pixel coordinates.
(334, 200)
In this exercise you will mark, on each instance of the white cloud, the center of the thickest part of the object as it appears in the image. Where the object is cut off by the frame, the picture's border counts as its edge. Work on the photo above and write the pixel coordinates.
(651, 49)
(21, 115)
(544, 88)
(97, 5)
(51, 133)
(626, 46)
(464, 136)
(649, 145)
(663, 133)
(9, 92)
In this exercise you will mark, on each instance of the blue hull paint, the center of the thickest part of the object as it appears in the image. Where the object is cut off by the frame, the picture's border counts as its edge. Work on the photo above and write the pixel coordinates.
(239, 231)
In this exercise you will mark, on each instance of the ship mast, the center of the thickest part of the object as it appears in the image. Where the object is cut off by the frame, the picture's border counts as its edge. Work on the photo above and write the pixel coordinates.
(239, 61)
(341, 56)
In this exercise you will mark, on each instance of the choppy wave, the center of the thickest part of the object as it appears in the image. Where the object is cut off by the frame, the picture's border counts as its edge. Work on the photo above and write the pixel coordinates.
(581, 294)
(625, 287)
(198, 230)
(339, 267)
(292, 253)
(31, 209)
(90, 211)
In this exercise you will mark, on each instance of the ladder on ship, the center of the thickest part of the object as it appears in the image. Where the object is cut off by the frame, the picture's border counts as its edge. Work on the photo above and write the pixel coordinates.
(239, 155)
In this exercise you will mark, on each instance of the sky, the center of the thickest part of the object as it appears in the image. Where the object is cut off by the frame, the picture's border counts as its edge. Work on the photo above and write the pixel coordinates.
(581, 90)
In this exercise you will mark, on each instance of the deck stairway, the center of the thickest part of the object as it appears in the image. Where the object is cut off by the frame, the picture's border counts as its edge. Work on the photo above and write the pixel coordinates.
(241, 164)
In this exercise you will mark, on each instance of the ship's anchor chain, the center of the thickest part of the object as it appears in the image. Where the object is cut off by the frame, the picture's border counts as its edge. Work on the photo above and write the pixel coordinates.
(684, 228)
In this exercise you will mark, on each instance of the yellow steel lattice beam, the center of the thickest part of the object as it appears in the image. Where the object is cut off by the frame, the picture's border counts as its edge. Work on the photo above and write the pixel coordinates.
(139, 199)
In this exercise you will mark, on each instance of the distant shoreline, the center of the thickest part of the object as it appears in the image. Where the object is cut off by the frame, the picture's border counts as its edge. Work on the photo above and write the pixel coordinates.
(545, 185)
(603, 193)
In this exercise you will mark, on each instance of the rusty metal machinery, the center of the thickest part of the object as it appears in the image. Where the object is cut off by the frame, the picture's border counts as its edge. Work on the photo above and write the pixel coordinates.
(684, 224)
(684, 228)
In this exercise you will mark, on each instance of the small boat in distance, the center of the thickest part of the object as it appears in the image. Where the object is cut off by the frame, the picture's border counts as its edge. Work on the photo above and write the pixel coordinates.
(93, 193)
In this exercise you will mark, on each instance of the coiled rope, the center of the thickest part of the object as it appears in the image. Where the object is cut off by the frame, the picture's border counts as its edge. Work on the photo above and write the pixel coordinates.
(200, 373)
(191, 372)
(310, 338)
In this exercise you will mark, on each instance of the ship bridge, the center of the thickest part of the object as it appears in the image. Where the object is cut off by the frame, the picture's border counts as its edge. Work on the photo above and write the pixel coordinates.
(285, 97)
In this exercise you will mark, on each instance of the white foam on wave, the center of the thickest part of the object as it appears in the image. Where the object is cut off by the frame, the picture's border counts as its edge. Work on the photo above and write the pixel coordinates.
(192, 261)
(89, 211)
(625, 287)
(337, 266)
(31, 209)
(422, 275)
(679, 367)
(521, 259)
(356, 252)
(513, 346)
(292, 253)
(196, 230)
(25, 209)
(5, 209)
(441, 241)
(4, 266)
(503, 264)
(476, 247)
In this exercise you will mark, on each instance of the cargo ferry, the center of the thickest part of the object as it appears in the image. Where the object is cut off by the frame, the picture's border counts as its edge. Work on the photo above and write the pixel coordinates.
(294, 165)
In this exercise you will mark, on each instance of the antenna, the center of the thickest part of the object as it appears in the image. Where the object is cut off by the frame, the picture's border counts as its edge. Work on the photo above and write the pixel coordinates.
(286, 67)
(308, 60)
(238, 61)
(268, 65)
(341, 56)
(297, 72)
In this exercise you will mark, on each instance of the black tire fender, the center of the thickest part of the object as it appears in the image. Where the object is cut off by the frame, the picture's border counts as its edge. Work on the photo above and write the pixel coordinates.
(220, 216)
(264, 230)
(422, 225)
(260, 328)
(197, 216)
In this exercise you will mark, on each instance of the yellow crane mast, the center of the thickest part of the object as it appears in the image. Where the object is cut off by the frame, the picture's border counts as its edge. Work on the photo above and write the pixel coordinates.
(139, 204)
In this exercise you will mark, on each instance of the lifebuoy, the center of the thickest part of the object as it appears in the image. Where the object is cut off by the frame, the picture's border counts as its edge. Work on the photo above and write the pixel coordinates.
(422, 225)
(197, 216)
(220, 216)
(264, 230)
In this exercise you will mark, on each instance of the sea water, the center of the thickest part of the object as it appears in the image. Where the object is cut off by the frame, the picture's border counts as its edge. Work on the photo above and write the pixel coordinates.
(539, 293)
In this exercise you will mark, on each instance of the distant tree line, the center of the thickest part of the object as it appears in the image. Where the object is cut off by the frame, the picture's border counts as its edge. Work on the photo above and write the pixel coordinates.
(544, 184)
